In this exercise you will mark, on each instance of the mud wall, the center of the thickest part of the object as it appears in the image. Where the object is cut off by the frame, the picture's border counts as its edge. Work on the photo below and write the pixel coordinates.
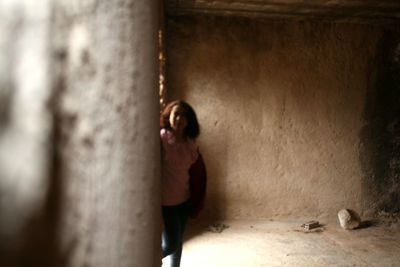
(282, 107)
(79, 162)
(380, 136)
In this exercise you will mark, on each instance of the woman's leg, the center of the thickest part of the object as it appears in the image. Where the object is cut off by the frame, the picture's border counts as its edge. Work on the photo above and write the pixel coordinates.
(175, 219)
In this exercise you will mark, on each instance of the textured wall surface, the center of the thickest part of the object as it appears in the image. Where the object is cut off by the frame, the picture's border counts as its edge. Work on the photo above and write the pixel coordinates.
(281, 105)
(107, 132)
(25, 126)
(360, 11)
(79, 133)
(380, 136)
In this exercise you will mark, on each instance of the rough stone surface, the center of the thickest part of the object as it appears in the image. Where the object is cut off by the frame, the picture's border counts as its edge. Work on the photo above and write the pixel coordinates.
(281, 106)
(380, 136)
(79, 142)
(359, 11)
(107, 127)
(25, 128)
(349, 219)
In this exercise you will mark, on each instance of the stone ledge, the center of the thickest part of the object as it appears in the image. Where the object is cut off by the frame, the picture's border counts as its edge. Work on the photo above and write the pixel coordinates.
(343, 11)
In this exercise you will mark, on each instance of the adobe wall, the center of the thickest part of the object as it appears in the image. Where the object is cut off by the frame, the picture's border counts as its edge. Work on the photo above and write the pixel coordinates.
(79, 162)
(282, 109)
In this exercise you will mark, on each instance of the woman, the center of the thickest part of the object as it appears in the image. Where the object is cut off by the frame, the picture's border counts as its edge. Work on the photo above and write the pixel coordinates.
(183, 175)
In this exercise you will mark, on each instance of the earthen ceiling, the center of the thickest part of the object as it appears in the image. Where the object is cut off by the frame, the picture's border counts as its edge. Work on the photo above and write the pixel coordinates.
(365, 11)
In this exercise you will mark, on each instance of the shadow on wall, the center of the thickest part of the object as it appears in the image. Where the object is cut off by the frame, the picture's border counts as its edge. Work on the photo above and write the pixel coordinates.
(380, 137)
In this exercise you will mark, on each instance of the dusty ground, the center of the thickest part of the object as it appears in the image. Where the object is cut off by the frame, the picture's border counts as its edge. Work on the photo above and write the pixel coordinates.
(282, 243)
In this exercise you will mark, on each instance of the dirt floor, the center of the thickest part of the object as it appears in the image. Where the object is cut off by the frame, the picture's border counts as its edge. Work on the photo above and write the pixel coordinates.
(284, 243)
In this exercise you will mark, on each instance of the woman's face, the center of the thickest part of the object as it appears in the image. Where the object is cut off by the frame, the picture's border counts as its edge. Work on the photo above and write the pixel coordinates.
(177, 119)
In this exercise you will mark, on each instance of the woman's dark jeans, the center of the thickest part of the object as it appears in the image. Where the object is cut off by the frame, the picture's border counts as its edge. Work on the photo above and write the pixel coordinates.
(175, 219)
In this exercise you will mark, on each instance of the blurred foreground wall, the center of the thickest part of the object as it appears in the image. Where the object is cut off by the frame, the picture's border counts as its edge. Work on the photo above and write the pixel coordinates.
(79, 148)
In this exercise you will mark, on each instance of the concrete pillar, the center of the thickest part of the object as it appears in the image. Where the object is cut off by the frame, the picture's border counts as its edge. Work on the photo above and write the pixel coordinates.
(79, 84)
(25, 127)
(107, 117)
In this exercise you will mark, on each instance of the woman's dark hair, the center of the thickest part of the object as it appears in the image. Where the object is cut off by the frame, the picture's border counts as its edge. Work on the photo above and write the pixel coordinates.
(192, 129)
